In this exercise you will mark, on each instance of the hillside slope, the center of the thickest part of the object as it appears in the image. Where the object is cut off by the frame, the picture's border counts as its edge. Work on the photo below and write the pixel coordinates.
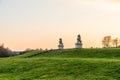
(83, 53)
(70, 64)
(31, 53)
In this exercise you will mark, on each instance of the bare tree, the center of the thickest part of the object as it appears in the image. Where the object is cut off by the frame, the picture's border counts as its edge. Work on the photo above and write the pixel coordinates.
(115, 42)
(107, 41)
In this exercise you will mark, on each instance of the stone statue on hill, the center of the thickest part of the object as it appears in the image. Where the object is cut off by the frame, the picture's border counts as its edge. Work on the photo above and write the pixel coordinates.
(60, 41)
(79, 42)
(79, 39)
(60, 46)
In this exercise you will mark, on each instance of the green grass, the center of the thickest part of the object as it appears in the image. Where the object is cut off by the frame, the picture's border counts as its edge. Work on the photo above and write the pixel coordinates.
(29, 54)
(85, 53)
(70, 64)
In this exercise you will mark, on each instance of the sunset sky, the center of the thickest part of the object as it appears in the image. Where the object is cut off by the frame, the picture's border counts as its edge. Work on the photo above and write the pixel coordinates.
(40, 23)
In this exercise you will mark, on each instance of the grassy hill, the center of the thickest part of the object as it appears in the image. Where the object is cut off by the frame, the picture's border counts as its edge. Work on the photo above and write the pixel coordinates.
(69, 64)
(83, 53)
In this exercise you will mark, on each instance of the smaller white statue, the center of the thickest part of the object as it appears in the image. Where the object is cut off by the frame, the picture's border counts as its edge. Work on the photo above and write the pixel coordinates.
(60, 46)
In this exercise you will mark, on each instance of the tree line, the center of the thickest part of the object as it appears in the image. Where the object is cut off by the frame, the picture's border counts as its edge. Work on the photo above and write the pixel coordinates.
(108, 42)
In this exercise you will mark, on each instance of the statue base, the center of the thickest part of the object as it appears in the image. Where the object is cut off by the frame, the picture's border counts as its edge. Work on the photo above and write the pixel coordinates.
(78, 45)
(60, 46)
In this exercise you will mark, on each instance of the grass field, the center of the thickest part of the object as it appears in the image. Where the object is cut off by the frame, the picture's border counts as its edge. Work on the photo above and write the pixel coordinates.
(69, 64)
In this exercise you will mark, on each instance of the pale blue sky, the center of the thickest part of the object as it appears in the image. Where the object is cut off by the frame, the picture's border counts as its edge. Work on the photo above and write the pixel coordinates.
(40, 23)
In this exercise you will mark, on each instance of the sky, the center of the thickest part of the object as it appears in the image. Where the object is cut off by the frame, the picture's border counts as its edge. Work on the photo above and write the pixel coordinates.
(40, 23)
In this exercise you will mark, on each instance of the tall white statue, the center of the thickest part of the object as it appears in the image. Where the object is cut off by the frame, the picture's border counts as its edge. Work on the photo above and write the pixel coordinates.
(60, 46)
(79, 42)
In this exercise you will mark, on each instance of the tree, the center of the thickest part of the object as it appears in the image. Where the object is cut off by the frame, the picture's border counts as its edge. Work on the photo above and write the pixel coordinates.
(5, 52)
(115, 42)
(107, 41)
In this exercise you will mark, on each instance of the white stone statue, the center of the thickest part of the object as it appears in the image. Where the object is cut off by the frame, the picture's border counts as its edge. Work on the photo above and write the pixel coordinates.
(60, 46)
(79, 42)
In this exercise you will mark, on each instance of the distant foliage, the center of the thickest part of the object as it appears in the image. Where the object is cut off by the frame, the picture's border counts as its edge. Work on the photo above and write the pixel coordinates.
(115, 42)
(5, 52)
(108, 42)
